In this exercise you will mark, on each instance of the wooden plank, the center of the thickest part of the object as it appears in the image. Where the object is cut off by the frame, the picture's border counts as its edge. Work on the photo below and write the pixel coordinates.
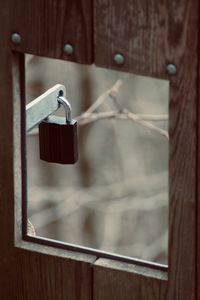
(198, 178)
(31, 275)
(183, 141)
(28, 271)
(116, 280)
(147, 32)
(46, 26)
(136, 29)
(174, 41)
(6, 156)
(183, 151)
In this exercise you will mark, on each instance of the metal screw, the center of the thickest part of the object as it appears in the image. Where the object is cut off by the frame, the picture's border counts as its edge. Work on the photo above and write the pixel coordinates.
(68, 49)
(171, 69)
(16, 38)
(119, 59)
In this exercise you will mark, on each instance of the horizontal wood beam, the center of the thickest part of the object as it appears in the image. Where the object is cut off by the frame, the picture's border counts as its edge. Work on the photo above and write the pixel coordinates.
(46, 27)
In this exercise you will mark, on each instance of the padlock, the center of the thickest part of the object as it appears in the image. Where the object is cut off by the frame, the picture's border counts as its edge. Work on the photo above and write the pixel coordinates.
(58, 137)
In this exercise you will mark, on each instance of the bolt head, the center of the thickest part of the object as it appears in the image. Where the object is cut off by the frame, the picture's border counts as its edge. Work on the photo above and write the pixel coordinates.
(68, 49)
(171, 69)
(16, 38)
(119, 59)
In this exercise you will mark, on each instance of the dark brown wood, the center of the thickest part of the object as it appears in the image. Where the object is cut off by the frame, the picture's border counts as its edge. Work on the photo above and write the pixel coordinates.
(155, 34)
(136, 29)
(147, 33)
(32, 275)
(164, 32)
(46, 26)
(198, 176)
(115, 280)
(28, 271)
(183, 51)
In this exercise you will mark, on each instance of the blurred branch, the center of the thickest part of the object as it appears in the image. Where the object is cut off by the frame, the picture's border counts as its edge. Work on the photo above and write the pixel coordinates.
(81, 198)
(85, 117)
(112, 91)
(110, 230)
(85, 165)
(62, 208)
(146, 124)
(142, 250)
(126, 114)
(119, 115)
(118, 206)
(90, 116)
(153, 250)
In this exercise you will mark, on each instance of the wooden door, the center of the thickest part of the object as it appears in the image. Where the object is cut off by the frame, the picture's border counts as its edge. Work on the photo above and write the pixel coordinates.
(29, 270)
(150, 35)
(154, 35)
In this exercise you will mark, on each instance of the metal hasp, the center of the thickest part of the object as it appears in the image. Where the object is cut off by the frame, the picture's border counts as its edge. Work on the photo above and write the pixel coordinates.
(57, 135)
(43, 106)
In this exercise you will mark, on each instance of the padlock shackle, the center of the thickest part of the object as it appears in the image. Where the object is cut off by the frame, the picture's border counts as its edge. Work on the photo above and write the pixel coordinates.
(67, 107)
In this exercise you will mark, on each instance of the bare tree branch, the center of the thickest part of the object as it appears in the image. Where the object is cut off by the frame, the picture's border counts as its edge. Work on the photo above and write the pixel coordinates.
(119, 115)
(113, 90)
(90, 116)
(126, 115)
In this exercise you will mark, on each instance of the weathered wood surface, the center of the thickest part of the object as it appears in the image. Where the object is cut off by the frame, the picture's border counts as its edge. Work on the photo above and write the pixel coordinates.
(46, 26)
(31, 271)
(183, 50)
(150, 34)
(154, 34)
(115, 280)
(31, 275)
(136, 29)
(198, 180)
(172, 38)
(28, 275)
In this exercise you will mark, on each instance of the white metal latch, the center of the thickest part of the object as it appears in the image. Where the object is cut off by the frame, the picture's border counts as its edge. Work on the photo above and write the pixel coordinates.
(43, 106)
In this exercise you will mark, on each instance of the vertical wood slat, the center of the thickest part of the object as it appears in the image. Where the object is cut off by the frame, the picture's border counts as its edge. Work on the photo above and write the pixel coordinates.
(32, 275)
(122, 281)
(183, 152)
(183, 50)
(6, 155)
(46, 26)
(37, 272)
(175, 41)
(198, 176)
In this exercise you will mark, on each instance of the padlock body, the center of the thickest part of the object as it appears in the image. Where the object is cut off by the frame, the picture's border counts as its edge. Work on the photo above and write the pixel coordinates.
(58, 140)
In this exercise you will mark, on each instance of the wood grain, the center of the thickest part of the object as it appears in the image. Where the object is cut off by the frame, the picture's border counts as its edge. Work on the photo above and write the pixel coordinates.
(154, 34)
(198, 177)
(32, 275)
(136, 29)
(183, 39)
(115, 280)
(147, 32)
(163, 32)
(46, 26)
(28, 271)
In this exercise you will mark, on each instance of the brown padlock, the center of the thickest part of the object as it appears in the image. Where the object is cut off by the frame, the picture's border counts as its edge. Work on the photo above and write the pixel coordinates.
(58, 137)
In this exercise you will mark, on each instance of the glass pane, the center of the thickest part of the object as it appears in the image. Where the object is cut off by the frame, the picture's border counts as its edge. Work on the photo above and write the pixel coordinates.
(116, 197)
